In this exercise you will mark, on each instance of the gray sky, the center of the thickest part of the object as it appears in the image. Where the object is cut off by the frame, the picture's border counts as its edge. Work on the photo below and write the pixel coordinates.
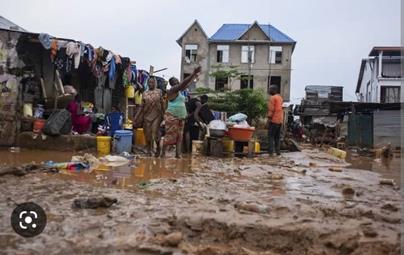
(332, 35)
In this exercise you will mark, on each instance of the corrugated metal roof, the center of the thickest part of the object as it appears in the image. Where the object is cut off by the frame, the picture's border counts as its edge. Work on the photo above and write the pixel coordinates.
(8, 25)
(232, 32)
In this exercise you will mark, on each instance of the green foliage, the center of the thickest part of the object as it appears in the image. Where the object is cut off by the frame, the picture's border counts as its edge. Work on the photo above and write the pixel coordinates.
(250, 102)
(203, 90)
(223, 72)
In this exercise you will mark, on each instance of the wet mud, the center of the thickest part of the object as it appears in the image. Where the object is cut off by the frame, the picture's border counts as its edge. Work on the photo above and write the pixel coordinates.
(289, 205)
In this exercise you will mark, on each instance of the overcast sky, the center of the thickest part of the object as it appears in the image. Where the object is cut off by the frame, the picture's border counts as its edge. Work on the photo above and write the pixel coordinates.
(332, 35)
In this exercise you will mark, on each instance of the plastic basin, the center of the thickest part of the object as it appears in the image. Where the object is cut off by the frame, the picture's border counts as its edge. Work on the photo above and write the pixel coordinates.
(241, 134)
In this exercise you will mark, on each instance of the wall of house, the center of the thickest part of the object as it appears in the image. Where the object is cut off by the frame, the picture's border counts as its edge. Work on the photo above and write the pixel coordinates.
(260, 69)
(9, 87)
(368, 93)
(195, 36)
(371, 77)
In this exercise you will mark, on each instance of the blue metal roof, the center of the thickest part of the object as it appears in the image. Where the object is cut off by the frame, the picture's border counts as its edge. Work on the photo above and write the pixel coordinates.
(232, 32)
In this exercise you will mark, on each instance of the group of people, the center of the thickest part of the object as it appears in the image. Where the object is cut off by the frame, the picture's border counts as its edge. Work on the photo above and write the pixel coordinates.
(166, 117)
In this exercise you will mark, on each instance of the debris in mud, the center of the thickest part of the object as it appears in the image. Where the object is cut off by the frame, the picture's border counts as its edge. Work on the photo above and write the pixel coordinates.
(335, 169)
(312, 164)
(18, 171)
(369, 231)
(390, 207)
(172, 239)
(93, 202)
(276, 176)
(348, 191)
(252, 207)
(387, 182)
(299, 171)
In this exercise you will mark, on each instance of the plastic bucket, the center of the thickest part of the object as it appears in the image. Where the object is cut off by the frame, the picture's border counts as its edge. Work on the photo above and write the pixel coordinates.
(39, 124)
(139, 137)
(228, 145)
(130, 92)
(123, 141)
(197, 147)
(257, 148)
(103, 145)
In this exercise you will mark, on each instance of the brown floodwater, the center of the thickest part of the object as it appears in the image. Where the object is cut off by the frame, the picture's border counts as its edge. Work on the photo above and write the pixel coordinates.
(133, 175)
(23, 156)
(388, 168)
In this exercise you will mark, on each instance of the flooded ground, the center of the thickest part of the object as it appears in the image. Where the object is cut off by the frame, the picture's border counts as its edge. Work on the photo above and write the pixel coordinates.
(389, 168)
(288, 205)
(21, 156)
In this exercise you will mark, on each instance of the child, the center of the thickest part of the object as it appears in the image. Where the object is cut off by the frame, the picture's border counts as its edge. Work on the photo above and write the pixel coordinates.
(114, 121)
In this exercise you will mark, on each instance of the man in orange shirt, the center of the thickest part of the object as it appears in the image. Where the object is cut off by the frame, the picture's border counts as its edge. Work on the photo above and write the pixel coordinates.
(275, 120)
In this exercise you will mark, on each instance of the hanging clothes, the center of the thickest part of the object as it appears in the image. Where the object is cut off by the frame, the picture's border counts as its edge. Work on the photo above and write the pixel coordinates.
(73, 51)
(62, 62)
(112, 69)
(54, 49)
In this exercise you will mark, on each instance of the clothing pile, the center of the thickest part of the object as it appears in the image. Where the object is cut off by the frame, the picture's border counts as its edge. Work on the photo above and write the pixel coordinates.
(105, 65)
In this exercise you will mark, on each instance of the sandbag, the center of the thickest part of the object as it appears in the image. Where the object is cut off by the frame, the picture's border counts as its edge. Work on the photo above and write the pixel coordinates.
(58, 123)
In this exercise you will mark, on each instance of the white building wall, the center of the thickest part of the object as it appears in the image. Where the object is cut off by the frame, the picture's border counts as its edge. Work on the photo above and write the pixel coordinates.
(371, 76)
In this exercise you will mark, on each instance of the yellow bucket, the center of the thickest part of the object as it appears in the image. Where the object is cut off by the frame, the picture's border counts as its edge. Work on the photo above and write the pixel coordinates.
(140, 138)
(228, 145)
(130, 92)
(103, 145)
(257, 147)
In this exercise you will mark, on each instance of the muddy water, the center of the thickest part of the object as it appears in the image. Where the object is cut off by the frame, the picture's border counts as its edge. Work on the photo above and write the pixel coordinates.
(27, 156)
(226, 206)
(388, 168)
(136, 175)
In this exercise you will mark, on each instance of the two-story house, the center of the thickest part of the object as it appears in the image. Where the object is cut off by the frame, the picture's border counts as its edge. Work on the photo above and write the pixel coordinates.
(261, 53)
(380, 78)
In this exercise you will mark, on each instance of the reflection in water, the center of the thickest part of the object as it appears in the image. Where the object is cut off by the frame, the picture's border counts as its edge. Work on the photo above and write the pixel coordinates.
(28, 156)
(130, 175)
(387, 167)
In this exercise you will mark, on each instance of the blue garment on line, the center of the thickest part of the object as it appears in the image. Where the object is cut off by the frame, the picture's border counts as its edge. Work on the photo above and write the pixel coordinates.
(112, 69)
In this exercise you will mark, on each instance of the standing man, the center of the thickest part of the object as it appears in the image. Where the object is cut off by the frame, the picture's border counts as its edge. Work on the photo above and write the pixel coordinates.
(275, 120)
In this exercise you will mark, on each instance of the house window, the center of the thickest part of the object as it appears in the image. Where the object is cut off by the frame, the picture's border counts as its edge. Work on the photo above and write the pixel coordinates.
(191, 51)
(390, 94)
(244, 81)
(275, 54)
(222, 54)
(275, 80)
(391, 67)
(221, 84)
(247, 54)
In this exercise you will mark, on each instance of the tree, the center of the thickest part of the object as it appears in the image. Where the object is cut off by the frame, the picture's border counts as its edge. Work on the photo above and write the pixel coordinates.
(247, 101)
(226, 72)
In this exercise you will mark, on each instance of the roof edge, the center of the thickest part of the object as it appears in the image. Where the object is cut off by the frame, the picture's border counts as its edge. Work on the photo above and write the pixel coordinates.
(255, 23)
(360, 77)
(179, 40)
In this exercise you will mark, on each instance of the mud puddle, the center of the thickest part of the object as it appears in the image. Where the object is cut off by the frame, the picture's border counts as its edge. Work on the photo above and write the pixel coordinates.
(225, 206)
(388, 168)
(23, 156)
(133, 175)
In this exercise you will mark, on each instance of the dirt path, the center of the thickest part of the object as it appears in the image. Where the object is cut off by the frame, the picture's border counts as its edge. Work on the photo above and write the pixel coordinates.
(224, 206)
